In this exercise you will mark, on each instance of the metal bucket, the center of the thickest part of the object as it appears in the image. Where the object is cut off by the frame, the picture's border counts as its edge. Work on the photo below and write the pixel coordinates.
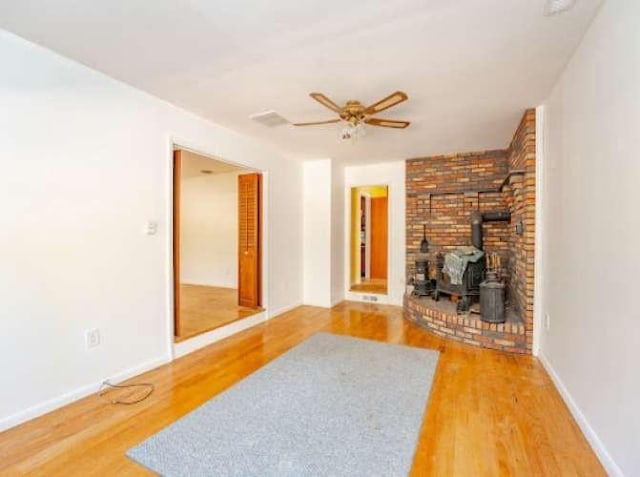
(492, 300)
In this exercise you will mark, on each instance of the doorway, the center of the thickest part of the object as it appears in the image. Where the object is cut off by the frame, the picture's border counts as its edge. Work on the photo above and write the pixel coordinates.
(369, 239)
(217, 243)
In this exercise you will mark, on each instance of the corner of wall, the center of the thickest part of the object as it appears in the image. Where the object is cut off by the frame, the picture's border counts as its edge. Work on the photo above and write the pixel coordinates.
(337, 232)
(317, 232)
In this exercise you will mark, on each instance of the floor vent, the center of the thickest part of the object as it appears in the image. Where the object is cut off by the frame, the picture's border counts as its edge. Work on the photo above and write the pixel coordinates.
(370, 298)
(270, 119)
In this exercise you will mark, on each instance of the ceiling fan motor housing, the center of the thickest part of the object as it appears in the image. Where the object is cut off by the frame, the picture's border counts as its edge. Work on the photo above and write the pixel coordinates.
(353, 112)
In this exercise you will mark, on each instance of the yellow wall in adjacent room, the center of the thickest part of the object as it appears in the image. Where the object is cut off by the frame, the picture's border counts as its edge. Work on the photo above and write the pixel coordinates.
(373, 191)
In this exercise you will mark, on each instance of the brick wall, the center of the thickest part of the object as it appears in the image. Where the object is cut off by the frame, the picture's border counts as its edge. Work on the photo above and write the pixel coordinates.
(461, 176)
(522, 156)
(467, 178)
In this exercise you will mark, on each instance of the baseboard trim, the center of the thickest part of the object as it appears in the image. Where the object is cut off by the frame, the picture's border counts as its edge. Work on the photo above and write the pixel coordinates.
(596, 444)
(284, 309)
(180, 349)
(78, 393)
(316, 304)
(189, 346)
(205, 339)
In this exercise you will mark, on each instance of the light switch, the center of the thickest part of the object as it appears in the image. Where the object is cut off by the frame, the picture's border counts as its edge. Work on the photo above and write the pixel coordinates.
(151, 227)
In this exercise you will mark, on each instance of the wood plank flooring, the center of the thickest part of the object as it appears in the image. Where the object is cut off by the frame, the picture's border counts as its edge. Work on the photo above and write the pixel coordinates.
(204, 308)
(374, 285)
(489, 413)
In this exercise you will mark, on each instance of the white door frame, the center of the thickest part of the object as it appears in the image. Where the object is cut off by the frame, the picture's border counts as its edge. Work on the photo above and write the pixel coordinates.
(538, 292)
(355, 295)
(175, 350)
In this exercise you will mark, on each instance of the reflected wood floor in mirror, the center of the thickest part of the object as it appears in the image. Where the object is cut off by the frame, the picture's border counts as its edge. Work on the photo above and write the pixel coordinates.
(489, 413)
(375, 285)
(204, 308)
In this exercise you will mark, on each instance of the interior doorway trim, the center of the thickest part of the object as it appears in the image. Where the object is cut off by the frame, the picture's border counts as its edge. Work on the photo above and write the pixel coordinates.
(538, 287)
(348, 203)
(175, 350)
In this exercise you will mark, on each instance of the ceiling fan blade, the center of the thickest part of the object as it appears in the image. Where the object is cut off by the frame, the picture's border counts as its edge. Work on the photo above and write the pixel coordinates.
(322, 99)
(318, 122)
(387, 123)
(386, 103)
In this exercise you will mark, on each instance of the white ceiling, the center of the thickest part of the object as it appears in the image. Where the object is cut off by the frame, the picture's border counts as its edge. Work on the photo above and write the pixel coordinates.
(193, 164)
(470, 67)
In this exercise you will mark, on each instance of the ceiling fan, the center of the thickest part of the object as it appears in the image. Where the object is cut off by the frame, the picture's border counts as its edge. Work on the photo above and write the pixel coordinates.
(355, 114)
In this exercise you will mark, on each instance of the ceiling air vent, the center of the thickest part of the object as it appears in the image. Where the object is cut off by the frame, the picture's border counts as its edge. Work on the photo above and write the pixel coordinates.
(553, 7)
(270, 119)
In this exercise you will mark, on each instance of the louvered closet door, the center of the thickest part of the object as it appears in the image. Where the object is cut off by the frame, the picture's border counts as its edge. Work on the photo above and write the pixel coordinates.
(249, 212)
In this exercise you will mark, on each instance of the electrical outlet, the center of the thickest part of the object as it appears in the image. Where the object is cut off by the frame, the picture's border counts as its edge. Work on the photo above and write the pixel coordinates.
(92, 338)
(547, 321)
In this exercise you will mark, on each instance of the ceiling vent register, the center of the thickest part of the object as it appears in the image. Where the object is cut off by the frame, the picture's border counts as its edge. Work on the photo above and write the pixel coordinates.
(270, 119)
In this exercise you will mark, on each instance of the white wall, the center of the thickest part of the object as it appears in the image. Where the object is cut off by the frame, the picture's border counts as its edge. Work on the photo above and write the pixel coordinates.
(391, 174)
(591, 233)
(323, 203)
(209, 230)
(317, 232)
(337, 233)
(85, 163)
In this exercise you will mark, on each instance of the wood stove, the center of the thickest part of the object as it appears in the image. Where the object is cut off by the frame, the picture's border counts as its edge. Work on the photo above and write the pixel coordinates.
(474, 274)
(470, 286)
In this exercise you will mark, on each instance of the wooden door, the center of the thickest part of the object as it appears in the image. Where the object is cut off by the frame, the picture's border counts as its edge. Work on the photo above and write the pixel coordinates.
(177, 177)
(362, 237)
(379, 229)
(249, 238)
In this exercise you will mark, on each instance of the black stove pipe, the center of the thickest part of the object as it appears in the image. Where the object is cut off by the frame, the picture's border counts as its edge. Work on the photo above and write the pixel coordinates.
(477, 218)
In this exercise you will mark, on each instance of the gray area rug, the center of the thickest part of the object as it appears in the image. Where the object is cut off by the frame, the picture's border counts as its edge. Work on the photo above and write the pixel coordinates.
(331, 406)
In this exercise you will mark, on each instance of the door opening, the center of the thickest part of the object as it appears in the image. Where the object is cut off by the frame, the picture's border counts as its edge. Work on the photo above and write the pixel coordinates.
(217, 243)
(369, 239)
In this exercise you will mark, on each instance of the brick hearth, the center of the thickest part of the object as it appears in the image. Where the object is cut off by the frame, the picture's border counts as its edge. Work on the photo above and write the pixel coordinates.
(440, 318)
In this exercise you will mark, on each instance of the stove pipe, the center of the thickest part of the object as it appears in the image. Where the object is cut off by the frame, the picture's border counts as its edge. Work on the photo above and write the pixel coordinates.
(477, 219)
(476, 229)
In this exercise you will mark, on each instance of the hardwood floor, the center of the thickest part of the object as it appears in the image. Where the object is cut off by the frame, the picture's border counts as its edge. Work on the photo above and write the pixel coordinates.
(489, 413)
(376, 286)
(204, 308)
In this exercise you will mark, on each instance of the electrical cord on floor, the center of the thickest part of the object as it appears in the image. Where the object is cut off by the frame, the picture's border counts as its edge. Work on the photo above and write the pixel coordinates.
(150, 388)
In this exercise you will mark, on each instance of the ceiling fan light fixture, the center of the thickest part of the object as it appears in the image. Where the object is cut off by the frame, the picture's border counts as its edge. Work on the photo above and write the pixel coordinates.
(352, 131)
